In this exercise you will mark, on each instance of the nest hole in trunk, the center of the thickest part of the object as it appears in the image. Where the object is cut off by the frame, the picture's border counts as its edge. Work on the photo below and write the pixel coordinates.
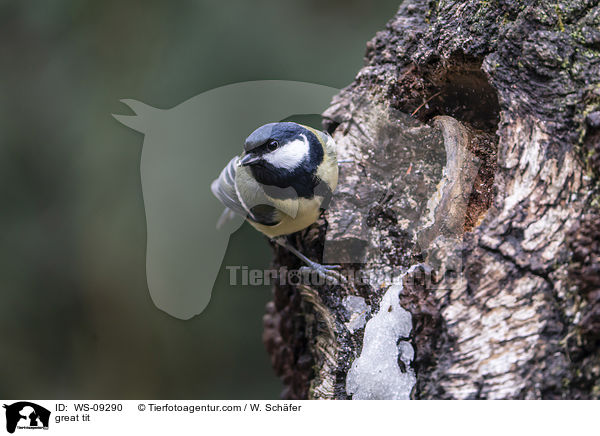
(458, 88)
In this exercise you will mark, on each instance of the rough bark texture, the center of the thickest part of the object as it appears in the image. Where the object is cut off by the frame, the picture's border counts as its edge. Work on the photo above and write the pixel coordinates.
(502, 205)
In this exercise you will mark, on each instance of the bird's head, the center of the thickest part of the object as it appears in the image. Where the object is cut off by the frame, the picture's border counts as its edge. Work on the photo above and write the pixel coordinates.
(283, 154)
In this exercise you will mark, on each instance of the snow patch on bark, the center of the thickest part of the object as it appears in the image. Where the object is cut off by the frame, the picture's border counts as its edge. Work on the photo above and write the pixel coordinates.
(382, 371)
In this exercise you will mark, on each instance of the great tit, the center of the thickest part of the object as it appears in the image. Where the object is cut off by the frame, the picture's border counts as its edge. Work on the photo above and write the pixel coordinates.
(280, 184)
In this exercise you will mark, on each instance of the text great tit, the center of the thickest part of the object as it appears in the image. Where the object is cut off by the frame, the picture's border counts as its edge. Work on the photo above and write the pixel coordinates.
(280, 184)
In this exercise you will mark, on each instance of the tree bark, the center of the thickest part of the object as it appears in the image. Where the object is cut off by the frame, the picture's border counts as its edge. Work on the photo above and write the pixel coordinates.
(471, 202)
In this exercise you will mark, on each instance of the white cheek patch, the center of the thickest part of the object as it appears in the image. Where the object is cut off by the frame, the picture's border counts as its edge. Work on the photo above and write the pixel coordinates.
(290, 155)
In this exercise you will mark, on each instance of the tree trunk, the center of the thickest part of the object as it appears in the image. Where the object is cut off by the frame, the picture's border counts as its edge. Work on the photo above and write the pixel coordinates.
(468, 218)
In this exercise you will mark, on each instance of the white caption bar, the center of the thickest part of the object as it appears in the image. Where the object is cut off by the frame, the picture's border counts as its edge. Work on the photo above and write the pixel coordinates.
(23, 417)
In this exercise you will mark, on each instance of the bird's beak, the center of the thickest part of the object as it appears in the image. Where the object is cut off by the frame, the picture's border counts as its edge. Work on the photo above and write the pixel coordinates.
(248, 159)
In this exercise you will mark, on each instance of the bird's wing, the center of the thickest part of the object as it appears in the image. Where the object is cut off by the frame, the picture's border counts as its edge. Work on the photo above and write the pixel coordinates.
(240, 193)
(224, 189)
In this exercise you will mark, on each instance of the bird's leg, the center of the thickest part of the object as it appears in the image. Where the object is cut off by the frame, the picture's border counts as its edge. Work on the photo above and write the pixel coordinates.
(326, 272)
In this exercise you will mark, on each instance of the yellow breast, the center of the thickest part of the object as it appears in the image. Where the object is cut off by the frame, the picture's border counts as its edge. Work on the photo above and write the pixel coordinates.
(308, 212)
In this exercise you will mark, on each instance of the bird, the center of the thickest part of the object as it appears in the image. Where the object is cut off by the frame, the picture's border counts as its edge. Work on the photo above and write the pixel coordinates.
(284, 178)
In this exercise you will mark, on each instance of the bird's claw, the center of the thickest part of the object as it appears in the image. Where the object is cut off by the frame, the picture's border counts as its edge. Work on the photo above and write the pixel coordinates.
(328, 273)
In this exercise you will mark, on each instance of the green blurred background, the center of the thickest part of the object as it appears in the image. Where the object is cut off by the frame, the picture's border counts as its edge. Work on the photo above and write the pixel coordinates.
(76, 319)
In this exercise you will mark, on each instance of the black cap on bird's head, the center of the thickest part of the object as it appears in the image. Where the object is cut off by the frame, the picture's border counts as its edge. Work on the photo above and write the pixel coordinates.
(282, 132)
(258, 137)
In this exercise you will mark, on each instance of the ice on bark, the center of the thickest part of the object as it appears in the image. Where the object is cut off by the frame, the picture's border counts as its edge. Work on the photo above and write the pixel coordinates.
(357, 311)
(376, 374)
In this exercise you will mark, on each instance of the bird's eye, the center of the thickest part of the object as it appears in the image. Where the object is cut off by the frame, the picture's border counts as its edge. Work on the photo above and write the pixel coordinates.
(272, 145)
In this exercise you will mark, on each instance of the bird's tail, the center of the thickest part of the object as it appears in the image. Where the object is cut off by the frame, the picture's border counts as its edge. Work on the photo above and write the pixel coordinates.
(227, 215)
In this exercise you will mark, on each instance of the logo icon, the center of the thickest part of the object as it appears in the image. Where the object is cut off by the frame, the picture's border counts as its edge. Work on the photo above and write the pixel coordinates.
(26, 415)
